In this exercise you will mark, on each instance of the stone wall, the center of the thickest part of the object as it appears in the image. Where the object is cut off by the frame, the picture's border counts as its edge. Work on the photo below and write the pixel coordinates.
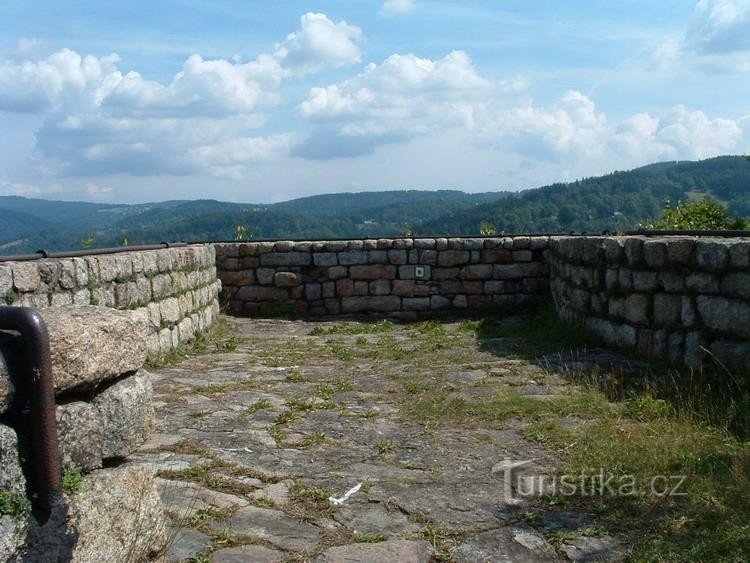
(104, 412)
(175, 288)
(401, 277)
(684, 299)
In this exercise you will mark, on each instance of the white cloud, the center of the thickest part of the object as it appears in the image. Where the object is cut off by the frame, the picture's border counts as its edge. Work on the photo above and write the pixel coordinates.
(403, 96)
(102, 120)
(574, 132)
(393, 7)
(717, 39)
(28, 190)
(407, 97)
(319, 43)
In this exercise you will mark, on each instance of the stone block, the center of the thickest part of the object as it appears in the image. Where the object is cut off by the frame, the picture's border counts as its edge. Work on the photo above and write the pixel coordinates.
(262, 293)
(403, 288)
(439, 302)
(344, 288)
(6, 281)
(477, 272)
(636, 308)
(519, 270)
(460, 302)
(416, 303)
(625, 279)
(450, 258)
(739, 254)
(325, 259)
(286, 259)
(694, 350)
(265, 275)
(655, 253)
(473, 287)
(337, 272)
(170, 310)
(702, 282)
(687, 313)
(667, 309)
(424, 243)
(427, 257)
(397, 256)
(352, 257)
(736, 285)
(11, 475)
(335, 245)
(497, 256)
(444, 273)
(161, 286)
(79, 433)
(536, 285)
(711, 255)
(282, 246)
(681, 251)
(377, 257)
(126, 414)
(725, 315)
(733, 354)
(382, 304)
(26, 276)
(373, 272)
(93, 344)
(286, 279)
(380, 287)
(313, 291)
(238, 278)
(522, 255)
(634, 251)
(117, 513)
(361, 288)
(645, 281)
(611, 279)
(614, 249)
(671, 281)
(494, 287)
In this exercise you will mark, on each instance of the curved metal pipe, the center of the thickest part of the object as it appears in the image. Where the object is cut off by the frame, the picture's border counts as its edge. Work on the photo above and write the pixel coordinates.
(37, 373)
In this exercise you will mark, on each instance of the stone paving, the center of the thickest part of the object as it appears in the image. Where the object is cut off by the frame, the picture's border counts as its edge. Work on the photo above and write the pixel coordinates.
(259, 442)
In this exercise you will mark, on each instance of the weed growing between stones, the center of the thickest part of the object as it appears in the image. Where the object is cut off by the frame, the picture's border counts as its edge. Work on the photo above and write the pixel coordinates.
(14, 504)
(217, 339)
(72, 481)
(353, 329)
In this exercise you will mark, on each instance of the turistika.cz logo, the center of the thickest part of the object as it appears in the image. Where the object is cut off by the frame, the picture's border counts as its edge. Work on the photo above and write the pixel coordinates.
(600, 482)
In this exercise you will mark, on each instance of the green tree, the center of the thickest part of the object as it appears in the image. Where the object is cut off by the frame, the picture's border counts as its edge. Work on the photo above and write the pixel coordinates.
(487, 229)
(89, 241)
(698, 216)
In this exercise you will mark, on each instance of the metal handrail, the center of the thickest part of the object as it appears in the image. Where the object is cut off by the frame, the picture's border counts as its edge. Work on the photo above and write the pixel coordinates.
(40, 388)
(42, 254)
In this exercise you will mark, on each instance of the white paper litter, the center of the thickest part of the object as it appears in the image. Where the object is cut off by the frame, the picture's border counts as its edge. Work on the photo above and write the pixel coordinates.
(341, 500)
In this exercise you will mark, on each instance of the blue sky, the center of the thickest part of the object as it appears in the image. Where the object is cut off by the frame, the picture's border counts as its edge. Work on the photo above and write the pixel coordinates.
(264, 101)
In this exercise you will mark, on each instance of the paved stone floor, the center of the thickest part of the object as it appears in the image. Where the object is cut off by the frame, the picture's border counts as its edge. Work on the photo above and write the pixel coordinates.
(254, 439)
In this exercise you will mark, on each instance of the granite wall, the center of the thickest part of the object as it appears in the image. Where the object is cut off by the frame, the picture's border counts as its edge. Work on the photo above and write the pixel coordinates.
(175, 288)
(683, 299)
(104, 412)
(402, 277)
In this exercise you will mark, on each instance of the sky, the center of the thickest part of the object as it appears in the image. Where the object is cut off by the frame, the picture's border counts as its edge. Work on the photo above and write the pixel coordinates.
(139, 101)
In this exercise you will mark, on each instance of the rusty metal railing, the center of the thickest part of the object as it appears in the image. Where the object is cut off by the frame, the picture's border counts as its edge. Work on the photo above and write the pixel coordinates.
(41, 254)
(40, 390)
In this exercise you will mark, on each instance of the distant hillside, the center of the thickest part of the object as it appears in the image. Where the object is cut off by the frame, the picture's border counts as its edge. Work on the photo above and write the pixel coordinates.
(616, 201)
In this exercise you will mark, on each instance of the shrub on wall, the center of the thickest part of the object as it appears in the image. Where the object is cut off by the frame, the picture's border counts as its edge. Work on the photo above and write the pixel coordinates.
(699, 216)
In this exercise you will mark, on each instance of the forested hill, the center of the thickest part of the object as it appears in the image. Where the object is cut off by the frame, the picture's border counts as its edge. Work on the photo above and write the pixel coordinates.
(616, 201)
